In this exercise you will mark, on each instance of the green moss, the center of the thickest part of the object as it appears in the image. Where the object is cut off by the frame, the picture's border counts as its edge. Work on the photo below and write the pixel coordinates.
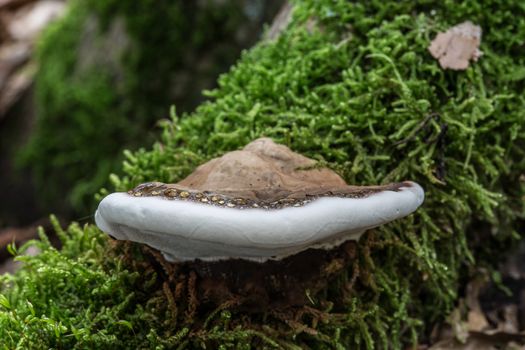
(358, 91)
(108, 70)
(91, 295)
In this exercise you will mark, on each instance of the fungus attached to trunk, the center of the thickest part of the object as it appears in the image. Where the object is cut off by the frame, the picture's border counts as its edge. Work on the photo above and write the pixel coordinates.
(261, 203)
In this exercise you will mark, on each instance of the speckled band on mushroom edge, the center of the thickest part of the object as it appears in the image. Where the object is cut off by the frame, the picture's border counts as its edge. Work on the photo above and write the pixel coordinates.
(172, 192)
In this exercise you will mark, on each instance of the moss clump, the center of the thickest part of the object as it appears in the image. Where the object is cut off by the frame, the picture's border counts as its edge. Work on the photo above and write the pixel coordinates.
(91, 295)
(352, 84)
(107, 72)
(359, 91)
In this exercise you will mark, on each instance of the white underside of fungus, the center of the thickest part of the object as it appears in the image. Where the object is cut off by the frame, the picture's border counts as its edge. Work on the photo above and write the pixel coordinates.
(260, 208)
(185, 230)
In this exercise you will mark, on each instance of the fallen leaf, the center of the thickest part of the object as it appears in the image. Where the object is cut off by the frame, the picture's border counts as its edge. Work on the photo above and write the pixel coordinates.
(476, 320)
(456, 47)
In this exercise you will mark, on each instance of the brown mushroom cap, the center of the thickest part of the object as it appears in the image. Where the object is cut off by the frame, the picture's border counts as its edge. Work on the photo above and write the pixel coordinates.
(264, 171)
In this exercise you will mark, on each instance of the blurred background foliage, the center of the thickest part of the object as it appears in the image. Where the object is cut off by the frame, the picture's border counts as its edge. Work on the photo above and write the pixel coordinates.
(107, 72)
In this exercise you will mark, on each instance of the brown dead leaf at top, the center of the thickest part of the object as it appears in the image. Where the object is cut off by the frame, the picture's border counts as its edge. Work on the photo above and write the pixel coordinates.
(264, 171)
(456, 47)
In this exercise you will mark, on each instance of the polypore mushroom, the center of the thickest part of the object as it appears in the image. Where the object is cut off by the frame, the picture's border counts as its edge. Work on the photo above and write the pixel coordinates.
(262, 202)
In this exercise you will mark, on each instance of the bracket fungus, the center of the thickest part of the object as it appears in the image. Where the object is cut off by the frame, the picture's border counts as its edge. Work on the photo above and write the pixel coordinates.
(261, 203)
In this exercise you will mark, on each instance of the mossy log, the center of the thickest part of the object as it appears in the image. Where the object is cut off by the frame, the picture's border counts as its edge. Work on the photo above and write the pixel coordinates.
(353, 85)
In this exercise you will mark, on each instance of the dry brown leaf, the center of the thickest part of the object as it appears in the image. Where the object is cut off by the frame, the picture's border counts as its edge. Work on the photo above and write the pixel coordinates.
(489, 340)
(476, 320)
(471, 344)
(456, 47)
